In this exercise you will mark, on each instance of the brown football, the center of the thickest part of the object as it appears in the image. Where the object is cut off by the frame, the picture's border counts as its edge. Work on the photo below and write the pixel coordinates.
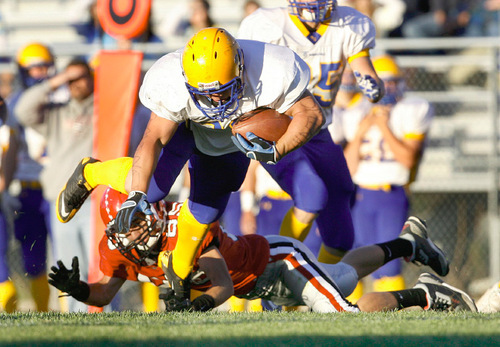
(264, 122)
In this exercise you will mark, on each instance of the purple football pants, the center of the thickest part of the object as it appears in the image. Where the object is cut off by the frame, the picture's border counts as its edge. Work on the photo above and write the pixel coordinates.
(317, 178)
(213, 178)
(31, 229)
(378, 217)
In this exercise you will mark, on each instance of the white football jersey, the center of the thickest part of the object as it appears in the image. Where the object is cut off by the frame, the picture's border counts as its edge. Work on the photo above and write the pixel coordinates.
(326, 51)
(410, 118)
(274, 76)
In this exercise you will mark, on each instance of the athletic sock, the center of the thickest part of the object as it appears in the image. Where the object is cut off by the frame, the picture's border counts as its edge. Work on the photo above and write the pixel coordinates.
(189, 238)
(292, 227)
(326, 257)
(389, 283)
(111, 173)
(40, 292)
(150, 294)
(410, 297)
(396, 249)
(8, 296)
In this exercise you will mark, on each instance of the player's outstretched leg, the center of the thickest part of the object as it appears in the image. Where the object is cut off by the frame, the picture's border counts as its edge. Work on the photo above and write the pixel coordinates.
(442, 296)
(424, 250)
(74, 192)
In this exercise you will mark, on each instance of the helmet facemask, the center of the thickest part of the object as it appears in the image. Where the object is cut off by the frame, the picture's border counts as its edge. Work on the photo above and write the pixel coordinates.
(315, 12)
(142, 242)
(217, 110)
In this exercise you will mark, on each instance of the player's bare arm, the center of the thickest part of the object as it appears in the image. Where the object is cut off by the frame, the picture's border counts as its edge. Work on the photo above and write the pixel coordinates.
(214, 266)
(352, 149)
(157, 134)
(248, 220)
(102, 292)
(307, 119)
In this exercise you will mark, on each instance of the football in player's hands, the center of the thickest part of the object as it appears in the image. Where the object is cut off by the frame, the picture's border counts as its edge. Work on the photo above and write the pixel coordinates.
(264, 122)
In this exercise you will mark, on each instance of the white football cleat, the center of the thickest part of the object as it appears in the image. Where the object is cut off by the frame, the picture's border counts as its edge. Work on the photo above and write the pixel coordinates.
(490, 301)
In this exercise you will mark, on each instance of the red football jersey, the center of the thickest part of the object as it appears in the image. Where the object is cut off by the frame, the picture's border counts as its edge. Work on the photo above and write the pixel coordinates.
(246, 256)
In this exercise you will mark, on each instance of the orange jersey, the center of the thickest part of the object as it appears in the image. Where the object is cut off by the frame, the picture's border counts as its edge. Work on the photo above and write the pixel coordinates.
(246, 256)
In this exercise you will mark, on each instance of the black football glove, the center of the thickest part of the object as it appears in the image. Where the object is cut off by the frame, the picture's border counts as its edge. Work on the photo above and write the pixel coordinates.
(203, 303)
(173, 303)
(136, 202)
(68, 281)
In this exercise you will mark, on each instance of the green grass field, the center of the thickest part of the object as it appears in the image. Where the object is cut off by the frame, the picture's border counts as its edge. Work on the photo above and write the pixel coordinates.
(410, 328)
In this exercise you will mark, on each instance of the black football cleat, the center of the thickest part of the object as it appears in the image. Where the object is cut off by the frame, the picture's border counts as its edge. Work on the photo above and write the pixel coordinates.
(74, 193)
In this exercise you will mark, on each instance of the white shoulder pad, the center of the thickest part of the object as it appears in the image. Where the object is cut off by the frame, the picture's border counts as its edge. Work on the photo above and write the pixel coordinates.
(265, 24)
(163, 90)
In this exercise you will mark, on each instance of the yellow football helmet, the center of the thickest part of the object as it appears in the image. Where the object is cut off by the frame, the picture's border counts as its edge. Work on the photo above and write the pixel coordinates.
(212, 63)
(388, 70)
(386, 67)
(34, 54)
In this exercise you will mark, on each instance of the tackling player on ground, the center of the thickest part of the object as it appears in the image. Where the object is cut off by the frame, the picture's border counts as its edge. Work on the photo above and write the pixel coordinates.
(276, 268)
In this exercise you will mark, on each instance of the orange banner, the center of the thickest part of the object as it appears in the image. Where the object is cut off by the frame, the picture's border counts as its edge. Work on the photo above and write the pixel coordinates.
(116, 88)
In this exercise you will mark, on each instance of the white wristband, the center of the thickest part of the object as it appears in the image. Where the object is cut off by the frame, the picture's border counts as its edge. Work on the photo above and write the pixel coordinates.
(247, 201)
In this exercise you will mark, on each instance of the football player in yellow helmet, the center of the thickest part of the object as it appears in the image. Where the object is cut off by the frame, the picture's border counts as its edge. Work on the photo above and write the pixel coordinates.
(195, 95)
(329, 38)
(384, 147)
(389, 71)
(212, 63)
(35, 63)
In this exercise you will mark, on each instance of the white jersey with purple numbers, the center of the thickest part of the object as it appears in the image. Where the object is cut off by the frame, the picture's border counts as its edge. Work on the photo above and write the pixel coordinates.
(325, 51)
(409, 119)
(274, 76)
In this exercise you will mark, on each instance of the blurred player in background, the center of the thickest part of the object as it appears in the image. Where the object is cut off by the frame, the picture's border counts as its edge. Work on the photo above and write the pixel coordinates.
(327, 37)
(9, 143)
(195, 95)
(67, 128)
(35, 64)
(384, 145)
(277, 268)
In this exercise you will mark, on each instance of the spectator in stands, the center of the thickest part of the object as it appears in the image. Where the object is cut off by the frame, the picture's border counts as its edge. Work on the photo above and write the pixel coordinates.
(485, 19)
(444, 18)
(68, 130)
(8, 150)
(35, 63)
(186, 19)
(384, 144)
(484, 22)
